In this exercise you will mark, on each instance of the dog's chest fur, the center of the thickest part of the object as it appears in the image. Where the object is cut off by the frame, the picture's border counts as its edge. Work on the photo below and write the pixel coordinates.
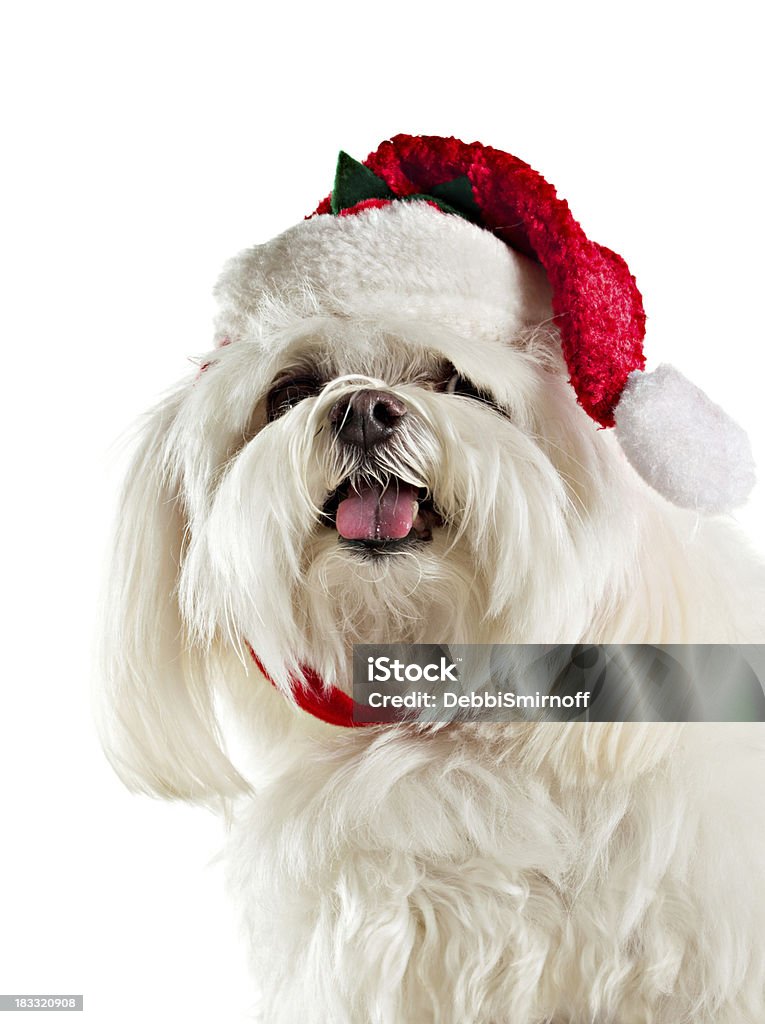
(542, 874)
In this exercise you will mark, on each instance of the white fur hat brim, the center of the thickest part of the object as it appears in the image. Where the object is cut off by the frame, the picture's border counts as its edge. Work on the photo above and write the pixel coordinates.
(405, 257)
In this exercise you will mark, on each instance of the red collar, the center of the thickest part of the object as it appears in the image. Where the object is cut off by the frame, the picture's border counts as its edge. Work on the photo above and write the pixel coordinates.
(329, 704)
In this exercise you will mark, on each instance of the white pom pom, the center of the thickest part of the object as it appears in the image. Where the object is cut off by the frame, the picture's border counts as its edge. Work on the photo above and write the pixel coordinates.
(682, 444)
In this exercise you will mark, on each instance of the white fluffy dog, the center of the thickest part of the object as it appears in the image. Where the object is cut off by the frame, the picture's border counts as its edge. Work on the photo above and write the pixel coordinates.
(360, 463)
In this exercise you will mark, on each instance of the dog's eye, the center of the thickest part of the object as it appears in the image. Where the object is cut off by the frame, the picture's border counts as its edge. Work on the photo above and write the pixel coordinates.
(286, 394)
(459, 385)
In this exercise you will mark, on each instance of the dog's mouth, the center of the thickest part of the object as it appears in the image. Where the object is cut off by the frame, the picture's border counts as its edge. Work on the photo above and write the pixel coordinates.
(381, 516)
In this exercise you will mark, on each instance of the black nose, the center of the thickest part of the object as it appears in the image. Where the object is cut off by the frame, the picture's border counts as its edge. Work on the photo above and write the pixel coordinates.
(365, 418)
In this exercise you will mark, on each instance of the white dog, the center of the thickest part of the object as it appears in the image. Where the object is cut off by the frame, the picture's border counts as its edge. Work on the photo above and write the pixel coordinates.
(385, 446)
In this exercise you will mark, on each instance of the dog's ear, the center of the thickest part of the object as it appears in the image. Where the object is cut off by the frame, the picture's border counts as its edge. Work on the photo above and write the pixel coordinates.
(155, 704)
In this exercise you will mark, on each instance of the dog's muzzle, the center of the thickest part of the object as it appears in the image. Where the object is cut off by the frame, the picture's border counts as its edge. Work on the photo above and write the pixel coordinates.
(367, 511)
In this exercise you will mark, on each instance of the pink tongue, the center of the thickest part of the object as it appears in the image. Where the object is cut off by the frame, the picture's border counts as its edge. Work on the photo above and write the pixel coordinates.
(374, 514)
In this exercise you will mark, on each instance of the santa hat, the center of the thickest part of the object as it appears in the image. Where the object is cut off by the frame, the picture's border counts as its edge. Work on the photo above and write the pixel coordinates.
(459, 232)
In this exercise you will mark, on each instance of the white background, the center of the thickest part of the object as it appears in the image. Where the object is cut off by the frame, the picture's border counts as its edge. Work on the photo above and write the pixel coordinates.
(143, 145)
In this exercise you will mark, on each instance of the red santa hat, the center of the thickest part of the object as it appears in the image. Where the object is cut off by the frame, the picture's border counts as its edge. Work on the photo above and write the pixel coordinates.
(681, 443)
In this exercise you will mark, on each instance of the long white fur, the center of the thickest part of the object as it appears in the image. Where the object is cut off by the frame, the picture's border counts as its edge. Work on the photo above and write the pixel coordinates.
(517, 874)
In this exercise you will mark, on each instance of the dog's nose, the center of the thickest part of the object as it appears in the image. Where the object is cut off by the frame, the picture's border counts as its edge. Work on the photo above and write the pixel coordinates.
(365, 418)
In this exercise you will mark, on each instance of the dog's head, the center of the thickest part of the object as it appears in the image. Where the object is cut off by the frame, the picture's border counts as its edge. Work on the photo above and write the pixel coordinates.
(356, 462)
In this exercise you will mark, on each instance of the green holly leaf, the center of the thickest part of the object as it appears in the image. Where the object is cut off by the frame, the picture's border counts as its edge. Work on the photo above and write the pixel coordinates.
(354, 182)
(458, 195)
